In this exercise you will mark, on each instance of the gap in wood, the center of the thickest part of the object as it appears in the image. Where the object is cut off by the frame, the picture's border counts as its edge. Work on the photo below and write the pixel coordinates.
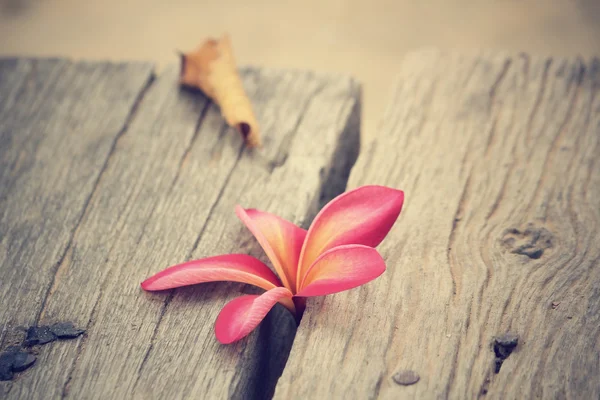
(278, 330)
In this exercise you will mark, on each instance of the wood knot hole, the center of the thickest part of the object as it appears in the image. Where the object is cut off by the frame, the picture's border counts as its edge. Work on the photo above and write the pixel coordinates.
(530, 241)
(503, 346)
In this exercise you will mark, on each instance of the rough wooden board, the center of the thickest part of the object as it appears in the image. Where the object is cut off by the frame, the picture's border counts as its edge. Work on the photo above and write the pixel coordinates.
(167, 193)
(24, 82)
(482, 145)
(59, 121)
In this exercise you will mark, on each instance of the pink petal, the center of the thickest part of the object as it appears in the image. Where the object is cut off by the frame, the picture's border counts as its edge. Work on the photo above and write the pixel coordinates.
(231, 267)
(280, 239)
(342, 268)
(361, 216)
(240, 316)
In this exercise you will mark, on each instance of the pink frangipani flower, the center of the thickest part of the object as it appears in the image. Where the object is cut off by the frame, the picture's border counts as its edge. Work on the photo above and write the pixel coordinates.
(335, 254)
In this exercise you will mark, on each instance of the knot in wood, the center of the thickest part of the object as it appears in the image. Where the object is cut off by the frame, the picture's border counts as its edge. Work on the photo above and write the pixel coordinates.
(530, 241)
(503, 346)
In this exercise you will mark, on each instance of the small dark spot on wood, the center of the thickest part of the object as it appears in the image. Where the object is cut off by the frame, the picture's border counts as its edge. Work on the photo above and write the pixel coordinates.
(531, 241)
(14, 360)
(503, 346)
(12, 349)
(65, 330)
(38, 335)
(555, 304)
(22, 361)
(569, 317)
(17, 359)
(497, 364)
(278, 162)
(406, 377)
(6, 363)
(485, 387)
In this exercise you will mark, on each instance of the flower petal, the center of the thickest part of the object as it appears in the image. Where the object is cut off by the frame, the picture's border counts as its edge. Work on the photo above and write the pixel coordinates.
(240, 316)
(361, 216)
(342, 268)
(231, 267)
(280, 239)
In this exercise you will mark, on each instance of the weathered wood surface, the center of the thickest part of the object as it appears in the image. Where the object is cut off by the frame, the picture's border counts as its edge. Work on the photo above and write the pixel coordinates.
(499, 159)
(110, 177)
(59, 122)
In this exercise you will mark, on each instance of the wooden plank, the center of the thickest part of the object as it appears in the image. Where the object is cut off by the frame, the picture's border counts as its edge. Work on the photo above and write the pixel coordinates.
(498, 156)
(59, 123)
(166, 195)
(13, 73)
(25, 85)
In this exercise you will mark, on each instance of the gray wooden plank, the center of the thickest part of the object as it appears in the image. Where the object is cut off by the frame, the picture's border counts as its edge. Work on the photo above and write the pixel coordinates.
(26, 85)
(24, 80)
(13, 73)
(498, 157)
(168, 194)
(57, 134)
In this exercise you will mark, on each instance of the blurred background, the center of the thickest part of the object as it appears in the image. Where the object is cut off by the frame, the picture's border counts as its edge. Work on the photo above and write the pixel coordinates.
(364, 38)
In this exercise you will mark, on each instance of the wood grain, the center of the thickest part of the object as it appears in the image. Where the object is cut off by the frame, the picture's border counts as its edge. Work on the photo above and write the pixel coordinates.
(167, 194)
(59, 123)
(498, 156)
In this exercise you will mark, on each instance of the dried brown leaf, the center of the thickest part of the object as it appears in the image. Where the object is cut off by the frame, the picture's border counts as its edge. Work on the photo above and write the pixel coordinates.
(212, 69)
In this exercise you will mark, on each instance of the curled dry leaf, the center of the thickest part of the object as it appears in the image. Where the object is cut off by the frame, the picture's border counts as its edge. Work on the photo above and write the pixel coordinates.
(211, 68)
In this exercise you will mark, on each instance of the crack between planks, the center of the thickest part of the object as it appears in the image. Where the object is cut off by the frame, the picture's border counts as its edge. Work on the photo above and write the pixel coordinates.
(189, 255)
(347, 147)
(272, 166)
(335, 180)
(347, 131)
(130, 116)
(268, 377)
